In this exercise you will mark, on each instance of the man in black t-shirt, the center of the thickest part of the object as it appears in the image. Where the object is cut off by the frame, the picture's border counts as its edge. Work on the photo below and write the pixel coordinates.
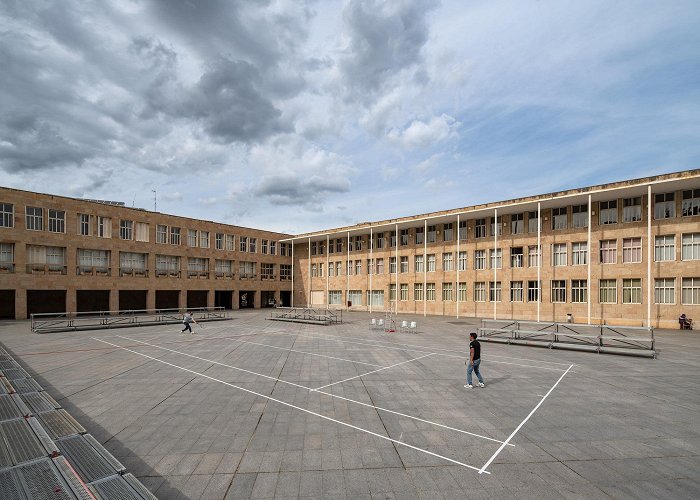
(474, 361)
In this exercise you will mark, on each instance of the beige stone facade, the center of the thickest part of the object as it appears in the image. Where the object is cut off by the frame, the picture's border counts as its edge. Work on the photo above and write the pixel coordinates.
(65, 254)
(608, 256)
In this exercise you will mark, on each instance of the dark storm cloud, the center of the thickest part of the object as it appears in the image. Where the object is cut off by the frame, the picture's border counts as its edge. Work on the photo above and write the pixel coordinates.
(295, 190)
(385, 40)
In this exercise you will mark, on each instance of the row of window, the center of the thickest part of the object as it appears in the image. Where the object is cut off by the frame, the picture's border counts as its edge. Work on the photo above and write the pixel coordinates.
(664, 250)
(575, 291)
(95, 225)
(98, 262)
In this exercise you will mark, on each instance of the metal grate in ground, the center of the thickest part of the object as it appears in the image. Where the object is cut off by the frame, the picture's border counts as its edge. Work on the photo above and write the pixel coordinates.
(21, 441)
(39, 402)
(58, 423)
(88, 462)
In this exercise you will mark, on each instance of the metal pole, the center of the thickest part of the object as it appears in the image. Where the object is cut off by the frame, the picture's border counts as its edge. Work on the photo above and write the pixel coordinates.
(309, 301)
(327, 273)
(649, 284)
(457, 266)
(425, 267)
(371, 254)
(539, 258)
(291, 302)
(588, 256)
(495, 257)
(396, 257)
(348, 266)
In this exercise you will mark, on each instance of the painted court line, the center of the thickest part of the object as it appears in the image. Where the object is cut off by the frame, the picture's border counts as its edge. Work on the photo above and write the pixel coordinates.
(493, 457)
(373, 371)
(387, 438)
(379, 408)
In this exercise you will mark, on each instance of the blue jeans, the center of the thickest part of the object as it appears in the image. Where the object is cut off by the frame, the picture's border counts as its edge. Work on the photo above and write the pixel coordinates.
(474, 367)
(187, 327)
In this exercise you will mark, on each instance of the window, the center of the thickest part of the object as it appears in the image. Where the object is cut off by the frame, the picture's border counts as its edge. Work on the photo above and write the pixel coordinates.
(392, 265)
(7, 215)
(462, 291)
(463, 230)
(161, 234)
(285, 272)
(533, 256)
(380, 266)
(447, 261)
(419, 235)
(516, 291)
(608, 252)
(559, 254)
(632, 209)
(447, 232)
(664, 205)
(418, 291)
(533, 291)
(432, 234)
(331, 246)
(230, 242)
(321, 246)
(358, 267)
(559, 218)
(83, 224)
(198, 266)
(403, 291)
(331, 269)
(34, 218)
(479, 259)
(516, 257)
(632, 291)
(418, 264)
(532, 222)
(174, 235)
(496, 226)
(357, 243)
(579, 291)
(370, 266)
(57, 221)
(665, 291)
(496, 258)
(126, 229)
(691, 202)
(167, 265)
(690, 246)
(608, 212)
(355, 297)
(479, 291)
(430, 291)
(219, 241)
(404, 237)
(104, 227)
(380, 241)
(246, 269)
(133, 263)
(204, 239)
(690, 292)
(665, 248)
(494, 291)
(631, 250)
(223, 268)
(7, 257)
(273, 247)
(608, 292)
(243, 243)
(335, 297)
(314, 271)
(285, 249)
(462, 261)
(93, 261)
(46, 259)
(349, 268)
(480, 228)
(558, 290)
(375, 298)
(579, 216)
(338, 268)
(579, 253)
(517, 223)
(141, 232)
(404, 264)
(447, 291)
(267, 271)
(431, 263)
(392, 241)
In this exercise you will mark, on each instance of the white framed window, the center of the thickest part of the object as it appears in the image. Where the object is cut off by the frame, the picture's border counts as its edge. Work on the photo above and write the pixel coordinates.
(358, 267)
(494, 291)
(57, 221)
(126, 229)
(559, 254)
(161, 234)
(664, 205)
(463, 230)
(533, 256)
(462, 291)
(579, 216)
(34, 218)
(608, 292)
(690, 291)
(204, 239)
(632, 209)
(579, 253)
(430, 292)
(174, 235)
(690, 204)
(447, 261)
(375, 298)
(432, 234)
(252, 245)
(404, 263)
(516, 291)
(314, 271)
(632, 291)
(495, 226)
(607, 212)
(392, 241)
(480, 228)
(247, 269)
(132, 262)
(392, 265)
(631, 250)
(447, 232)
(7, 257)
(350, 268)
(419, 235)
(496, 258)
(335, 297)
(418, 264)
(558, 290)
(141, 232)
(579, 291)
(404, 237)
(267, 271)
(223, 267)
(230, 242)
(84, 228)
(608, 252)
(7, 215)
(370, 266)
(380, 266)
(219, 241)
(533, 291)
(690, 246)
(665, 291)
(479, 259)
(559, 216)
(516, 257)
(431, 263)
(462, 261)
(243, 243)
(532, 222)
(167, 265)
(273, 247)
(517, 223)
(104, 227)
(479, 291)
(403, 291)
(447, 292)
(665, 248)
(93, 260)
(418, 291)
(285, 272)
(197, 266)
(355, 297)
(380, 240)
(331, 269)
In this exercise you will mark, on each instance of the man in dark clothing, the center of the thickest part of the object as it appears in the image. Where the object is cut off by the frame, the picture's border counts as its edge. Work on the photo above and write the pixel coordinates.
(474, 361)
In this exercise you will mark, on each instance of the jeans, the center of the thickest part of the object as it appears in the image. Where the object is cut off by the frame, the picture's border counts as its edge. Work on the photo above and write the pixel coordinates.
(474, 367)
(187, 327)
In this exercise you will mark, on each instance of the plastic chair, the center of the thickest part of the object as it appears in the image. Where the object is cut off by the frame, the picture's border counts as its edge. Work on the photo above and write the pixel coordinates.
(404, 326)
(373, 324)
(413, 326)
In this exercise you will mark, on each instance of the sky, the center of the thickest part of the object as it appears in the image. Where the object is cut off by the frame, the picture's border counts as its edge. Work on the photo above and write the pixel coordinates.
(296, 116)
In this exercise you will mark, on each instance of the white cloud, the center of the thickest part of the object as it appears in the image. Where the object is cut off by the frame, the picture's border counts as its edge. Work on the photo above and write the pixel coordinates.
(420, 134)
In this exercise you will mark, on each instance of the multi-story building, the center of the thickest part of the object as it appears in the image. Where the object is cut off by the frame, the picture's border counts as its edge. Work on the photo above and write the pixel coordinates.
(65, 254)
(620, 253)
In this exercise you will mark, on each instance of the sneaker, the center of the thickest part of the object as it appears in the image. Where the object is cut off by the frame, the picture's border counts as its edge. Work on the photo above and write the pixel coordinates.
(481, 384)
(468, 386)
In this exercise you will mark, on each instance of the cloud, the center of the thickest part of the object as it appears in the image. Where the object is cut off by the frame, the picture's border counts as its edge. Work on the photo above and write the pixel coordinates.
(291, 189)
(421, 134)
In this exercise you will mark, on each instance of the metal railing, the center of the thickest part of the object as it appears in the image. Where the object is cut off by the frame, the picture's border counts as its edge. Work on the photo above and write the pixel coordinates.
(634, 340)
(307, 315)
(95, 320)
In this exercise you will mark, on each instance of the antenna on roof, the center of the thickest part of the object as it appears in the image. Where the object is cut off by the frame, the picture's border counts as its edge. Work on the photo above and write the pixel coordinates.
(155, 200)
(133, 202)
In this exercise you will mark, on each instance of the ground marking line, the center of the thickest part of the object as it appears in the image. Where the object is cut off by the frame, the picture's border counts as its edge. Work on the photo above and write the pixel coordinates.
(320, 392)
(493, 457)
(269, 398)
(373, 371)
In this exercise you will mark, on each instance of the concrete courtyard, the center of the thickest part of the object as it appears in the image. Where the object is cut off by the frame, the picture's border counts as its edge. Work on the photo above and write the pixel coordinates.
(252, 408)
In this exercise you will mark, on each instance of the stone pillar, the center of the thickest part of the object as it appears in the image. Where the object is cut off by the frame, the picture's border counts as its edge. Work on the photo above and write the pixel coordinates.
(182, 301)
(150, 299)
(71, 300)
(21, 303)
(113, 299)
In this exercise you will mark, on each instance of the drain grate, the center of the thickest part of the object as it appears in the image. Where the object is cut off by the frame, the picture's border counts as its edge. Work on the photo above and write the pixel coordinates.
(15, 373)
(8, 408)
(58, 423)
(5, 457)
(105, 454)
(139, 487)
(7, 386)
(10, 486)
(23, 385)
(86, 461)
(37, 402)
(21, 441)
(6, 364)
(115, 487)
(43, 481)
(71, 477)
(46, 441)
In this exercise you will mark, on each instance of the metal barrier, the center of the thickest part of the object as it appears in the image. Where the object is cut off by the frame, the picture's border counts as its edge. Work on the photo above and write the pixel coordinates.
(632, 340)
(307, 315)
(73, 321)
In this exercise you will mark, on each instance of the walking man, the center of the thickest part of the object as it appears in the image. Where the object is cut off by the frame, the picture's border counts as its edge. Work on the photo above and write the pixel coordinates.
(187, 319)
(474, 361)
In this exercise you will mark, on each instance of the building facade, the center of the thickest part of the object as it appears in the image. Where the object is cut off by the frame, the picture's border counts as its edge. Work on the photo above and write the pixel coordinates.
(624, 253)
(63, 254)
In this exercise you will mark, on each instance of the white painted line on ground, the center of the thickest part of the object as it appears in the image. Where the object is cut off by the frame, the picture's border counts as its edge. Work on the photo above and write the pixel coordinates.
(379, 408)
(269, 398)
(373, 371)
(493, 457)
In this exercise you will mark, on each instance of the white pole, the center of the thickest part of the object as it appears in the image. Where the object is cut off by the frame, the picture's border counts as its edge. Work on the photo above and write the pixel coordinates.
(425, 267)
(496, 227)
(291, 302)
(589, 257)
(649, 284)
(539, 258)
(371, 253)
(309, 300)
(457, 267)
(327, 273)
(396, 257)
(348, 266)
